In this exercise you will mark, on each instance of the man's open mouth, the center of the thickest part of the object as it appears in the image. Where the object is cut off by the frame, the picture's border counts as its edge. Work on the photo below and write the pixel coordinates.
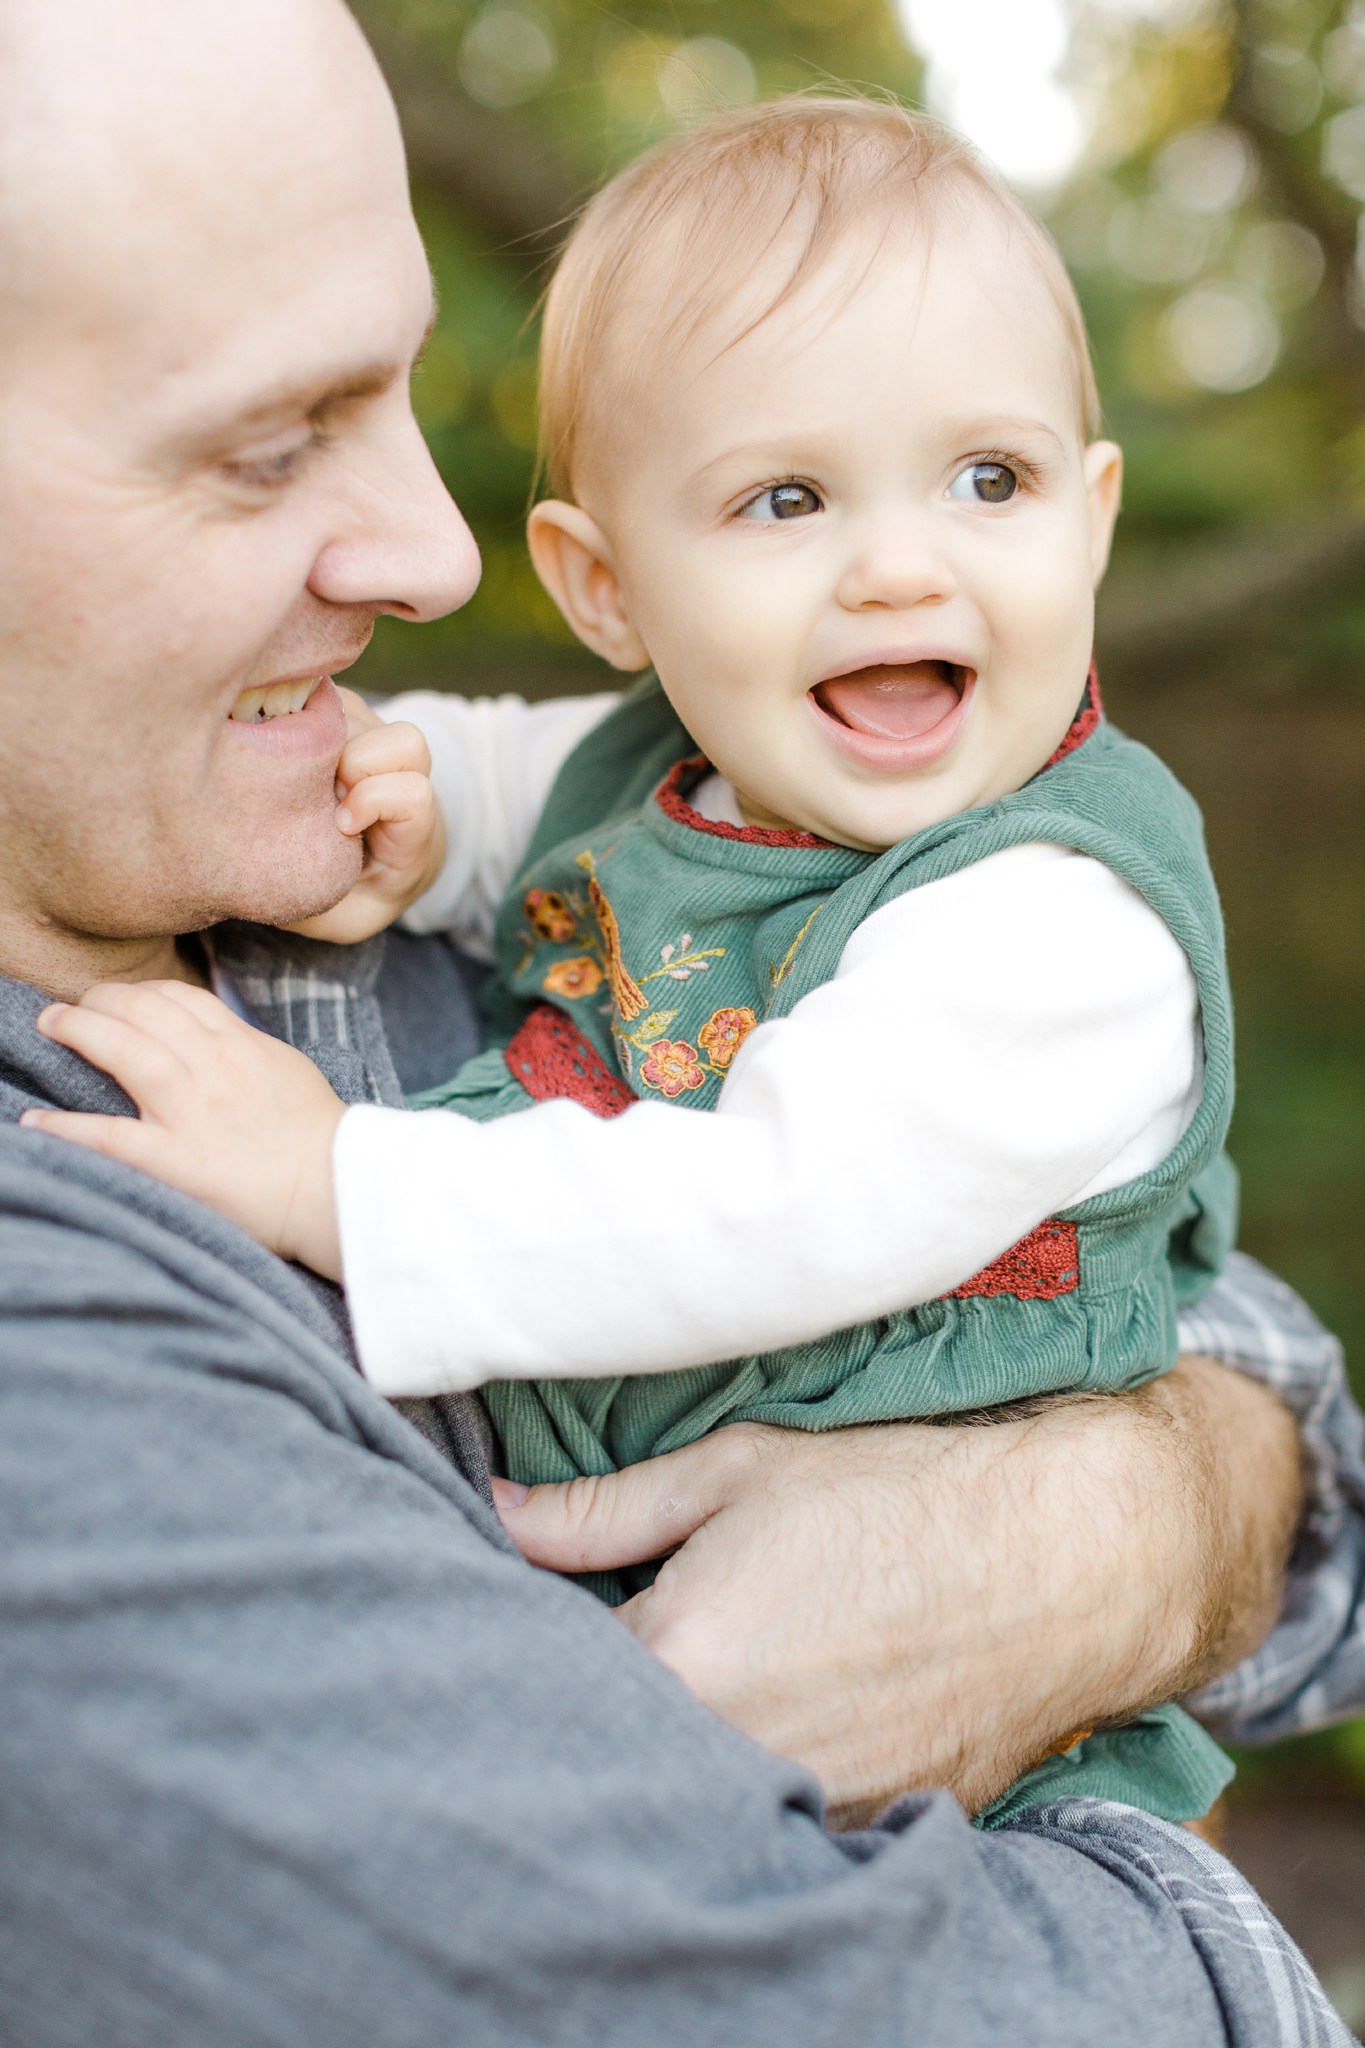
(894, 700)
(279, 700)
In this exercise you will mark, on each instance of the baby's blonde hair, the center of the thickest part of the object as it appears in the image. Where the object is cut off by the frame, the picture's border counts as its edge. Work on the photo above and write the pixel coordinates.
(668, 240)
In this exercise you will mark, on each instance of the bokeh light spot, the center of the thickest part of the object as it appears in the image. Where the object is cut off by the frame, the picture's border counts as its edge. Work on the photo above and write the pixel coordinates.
(1207, 169)
(704, 74)
(507, 55)
(1223, 337)
(1343, 150)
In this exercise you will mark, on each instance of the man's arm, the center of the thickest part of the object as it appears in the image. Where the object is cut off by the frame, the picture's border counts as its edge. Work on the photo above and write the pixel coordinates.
(293, 1753)
(915, 1605)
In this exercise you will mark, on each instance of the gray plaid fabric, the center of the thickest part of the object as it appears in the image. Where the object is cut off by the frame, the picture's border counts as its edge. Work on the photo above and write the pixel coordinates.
(1264, 1984)
(345, 1005)
(1311, 1670)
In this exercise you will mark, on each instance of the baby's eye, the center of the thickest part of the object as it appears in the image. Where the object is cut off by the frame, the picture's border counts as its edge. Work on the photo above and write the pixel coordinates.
(989, 483)
(782, 501)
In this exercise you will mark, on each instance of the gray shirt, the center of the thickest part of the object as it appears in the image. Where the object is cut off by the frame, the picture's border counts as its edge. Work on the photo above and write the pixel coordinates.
(294, 1750)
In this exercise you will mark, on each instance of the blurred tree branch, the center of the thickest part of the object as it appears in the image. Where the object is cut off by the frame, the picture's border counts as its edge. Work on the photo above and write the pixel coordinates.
(1226, 594)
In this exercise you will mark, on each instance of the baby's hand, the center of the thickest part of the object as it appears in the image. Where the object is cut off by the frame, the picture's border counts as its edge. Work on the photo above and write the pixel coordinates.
(385, 794)
(228, 1115)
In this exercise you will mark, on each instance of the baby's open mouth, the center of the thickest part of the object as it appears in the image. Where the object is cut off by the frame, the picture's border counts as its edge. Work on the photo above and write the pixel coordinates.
(253, 707)
(893, 701)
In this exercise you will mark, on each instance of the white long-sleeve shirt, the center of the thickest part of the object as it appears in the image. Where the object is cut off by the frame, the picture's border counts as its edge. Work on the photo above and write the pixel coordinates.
(993, 1047)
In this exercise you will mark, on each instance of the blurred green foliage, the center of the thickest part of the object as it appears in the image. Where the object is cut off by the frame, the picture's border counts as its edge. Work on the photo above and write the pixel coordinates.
(1214, 229)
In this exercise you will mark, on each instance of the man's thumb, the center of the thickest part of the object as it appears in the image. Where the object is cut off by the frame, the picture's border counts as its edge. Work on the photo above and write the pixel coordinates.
(599, 1523)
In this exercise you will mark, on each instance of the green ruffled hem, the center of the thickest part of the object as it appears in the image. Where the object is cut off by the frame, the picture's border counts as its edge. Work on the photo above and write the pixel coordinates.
(482, 1090)
(1163, 1762)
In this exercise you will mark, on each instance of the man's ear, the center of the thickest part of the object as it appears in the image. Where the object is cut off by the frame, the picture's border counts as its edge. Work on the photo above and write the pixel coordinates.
(574, 561)
(1103, 463)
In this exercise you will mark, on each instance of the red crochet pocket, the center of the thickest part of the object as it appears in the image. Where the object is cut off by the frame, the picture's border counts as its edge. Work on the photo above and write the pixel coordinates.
(1041, 1266)
(555, 1063)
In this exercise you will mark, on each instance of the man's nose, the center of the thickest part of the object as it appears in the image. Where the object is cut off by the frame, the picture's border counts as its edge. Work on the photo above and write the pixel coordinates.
(405, 548)
(896, 563)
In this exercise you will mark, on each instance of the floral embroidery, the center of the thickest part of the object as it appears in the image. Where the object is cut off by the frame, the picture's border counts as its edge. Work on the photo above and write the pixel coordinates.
(722, 1035)
(779, 970)
(672, 1067)
(625, 990)
(549, 914)
(573, 978)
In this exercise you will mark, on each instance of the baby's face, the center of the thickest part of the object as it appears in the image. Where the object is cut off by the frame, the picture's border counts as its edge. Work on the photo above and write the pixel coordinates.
(860, 546)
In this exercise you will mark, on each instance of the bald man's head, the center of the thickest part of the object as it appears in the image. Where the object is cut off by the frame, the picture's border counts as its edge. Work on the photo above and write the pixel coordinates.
(130, 129)
(211, 480)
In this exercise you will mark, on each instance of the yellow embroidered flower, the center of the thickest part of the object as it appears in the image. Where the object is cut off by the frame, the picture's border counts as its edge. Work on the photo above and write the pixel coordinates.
(573, 978)
(549, 915)
(672, 1067)
(722, 1035)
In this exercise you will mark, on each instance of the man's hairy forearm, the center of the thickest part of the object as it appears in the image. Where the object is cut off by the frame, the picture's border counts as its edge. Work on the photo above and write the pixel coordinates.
(914, 1604)
(1242, 1454)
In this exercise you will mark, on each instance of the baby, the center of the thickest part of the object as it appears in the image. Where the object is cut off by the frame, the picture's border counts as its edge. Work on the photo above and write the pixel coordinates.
(861, 868)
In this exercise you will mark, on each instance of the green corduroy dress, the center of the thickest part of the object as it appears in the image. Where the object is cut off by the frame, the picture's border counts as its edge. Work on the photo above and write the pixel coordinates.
(636, 951)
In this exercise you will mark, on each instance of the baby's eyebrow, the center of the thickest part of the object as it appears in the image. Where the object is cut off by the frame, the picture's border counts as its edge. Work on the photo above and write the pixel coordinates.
(998, 427)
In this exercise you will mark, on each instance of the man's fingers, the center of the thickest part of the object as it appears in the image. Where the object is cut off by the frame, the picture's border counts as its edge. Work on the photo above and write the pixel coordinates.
(117, 1137)
(627, 1517)
(144, 1066)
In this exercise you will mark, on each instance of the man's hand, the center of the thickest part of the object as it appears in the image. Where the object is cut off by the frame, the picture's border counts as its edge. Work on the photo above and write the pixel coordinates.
(228, 1115)
(919, 1605)
(384, 792)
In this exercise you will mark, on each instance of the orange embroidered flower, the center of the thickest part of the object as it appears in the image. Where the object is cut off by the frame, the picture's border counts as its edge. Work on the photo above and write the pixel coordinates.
(626, 991)
(672, 1067)
(549, 914)
(573, 978)
(723, 1033)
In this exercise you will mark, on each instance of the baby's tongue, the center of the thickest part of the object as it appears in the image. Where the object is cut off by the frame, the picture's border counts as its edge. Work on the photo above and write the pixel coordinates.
(891, 703)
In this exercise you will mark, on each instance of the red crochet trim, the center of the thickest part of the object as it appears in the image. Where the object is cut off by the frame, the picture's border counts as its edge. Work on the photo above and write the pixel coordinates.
(1041, 1266)
(555, 1063)
(674, 805)
(1084, 723)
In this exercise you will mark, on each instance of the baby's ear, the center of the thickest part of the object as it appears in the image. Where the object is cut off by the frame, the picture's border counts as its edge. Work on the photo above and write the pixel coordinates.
(574, 561)
(1104, 487)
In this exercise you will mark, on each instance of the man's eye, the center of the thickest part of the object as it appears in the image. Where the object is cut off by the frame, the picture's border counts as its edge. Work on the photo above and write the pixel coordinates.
(270, 464)
(988, 483)
(782, 501)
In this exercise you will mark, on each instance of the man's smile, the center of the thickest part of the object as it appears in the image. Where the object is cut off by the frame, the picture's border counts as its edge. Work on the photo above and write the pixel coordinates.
(276, 700)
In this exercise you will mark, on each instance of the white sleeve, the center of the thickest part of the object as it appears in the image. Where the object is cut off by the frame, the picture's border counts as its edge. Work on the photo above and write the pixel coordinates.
(994, 1047)
(493, 760)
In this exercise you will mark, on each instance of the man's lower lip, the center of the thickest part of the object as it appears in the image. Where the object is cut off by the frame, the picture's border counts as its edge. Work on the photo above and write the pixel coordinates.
(895, 756)
(317, 730)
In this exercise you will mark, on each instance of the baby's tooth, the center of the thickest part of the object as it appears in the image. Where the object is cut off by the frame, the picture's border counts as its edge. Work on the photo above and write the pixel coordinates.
(247, 708)
(277, 700)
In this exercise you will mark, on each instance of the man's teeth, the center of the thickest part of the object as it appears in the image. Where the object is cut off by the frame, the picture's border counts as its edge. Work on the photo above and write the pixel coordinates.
(253, 706)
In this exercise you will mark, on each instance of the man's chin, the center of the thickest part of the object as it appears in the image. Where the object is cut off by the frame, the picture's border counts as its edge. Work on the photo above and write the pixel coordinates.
(294, 890)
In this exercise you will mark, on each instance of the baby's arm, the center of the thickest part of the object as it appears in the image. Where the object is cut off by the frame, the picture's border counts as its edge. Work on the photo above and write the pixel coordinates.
(994, 1047)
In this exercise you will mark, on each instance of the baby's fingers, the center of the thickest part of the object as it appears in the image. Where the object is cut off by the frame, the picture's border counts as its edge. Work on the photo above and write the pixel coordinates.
(116, 1137)
(404, 801)
(383, 750)
(145, 1067)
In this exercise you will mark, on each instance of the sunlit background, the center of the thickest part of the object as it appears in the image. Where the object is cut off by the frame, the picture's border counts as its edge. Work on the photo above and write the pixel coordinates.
(1202, 164)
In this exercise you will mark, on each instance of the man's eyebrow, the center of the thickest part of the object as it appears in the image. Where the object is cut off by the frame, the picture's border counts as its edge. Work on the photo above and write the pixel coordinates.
(310, 395)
